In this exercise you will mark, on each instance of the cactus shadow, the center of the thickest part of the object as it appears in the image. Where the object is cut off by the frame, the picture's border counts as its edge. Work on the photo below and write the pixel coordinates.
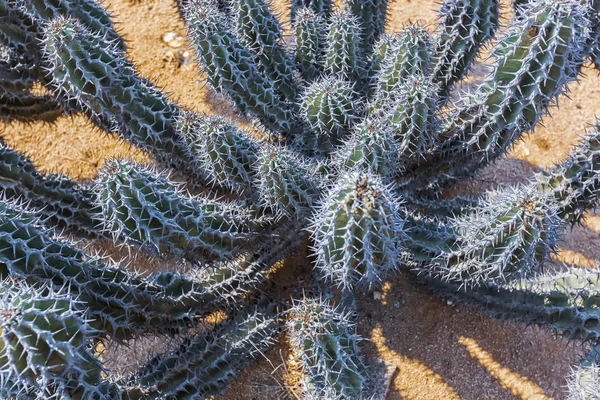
(455, 351)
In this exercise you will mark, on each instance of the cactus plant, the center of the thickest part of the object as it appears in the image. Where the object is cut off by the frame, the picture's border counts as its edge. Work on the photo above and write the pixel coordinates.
(354, 135)
(324, 340)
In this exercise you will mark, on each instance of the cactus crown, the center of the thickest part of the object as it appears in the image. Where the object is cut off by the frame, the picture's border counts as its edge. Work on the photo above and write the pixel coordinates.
(356, 134)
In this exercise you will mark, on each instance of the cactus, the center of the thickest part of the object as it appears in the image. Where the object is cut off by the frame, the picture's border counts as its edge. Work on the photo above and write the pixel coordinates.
(222, 151)
(329, 107)
(322, 8)
(584, 382)
(45, 346)
(372, 15)
(325, 342)
(574, 183)
(355, 135)
(202, 364)
(310, 35)
(357, 232)
(148, 209)
(343, 54)
(464, 27)
(288, 184)
(509, 234)
(120, 302)
(67, 204)
(548, 46)
(408, 55)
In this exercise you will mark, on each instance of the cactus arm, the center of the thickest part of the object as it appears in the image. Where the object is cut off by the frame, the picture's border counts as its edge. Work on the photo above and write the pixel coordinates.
(87, 68)
(584, 381)
(310, 33)
(287, 183)
(45, 346)
(226, 153)
(18, 72)
(322, 8)
(325, 343)
(356, 232)
(119, 302)
(145, 208)
(509, 235)
(231, 68)
(371, 148)
(62, 201)
(567, 302)
(329, 107)
(203, 364)
(575, 183)
(17, 30)
(89, 13)
(259, 30)
(343, 55)
(411, 114)
(372, 15)
(464, 27)
(535, 60)
(409, 54)
(28, 107)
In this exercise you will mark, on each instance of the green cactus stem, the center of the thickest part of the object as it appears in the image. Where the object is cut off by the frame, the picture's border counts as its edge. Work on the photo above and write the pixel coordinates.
(575, 182)
(45, 346)
(232, 69)
(412, 117)
(325, 342)
(310, 33)
(410, 54)
(63, 202)
(534, 61)
(203, 364)
(225, 153)
(371, 148)
(509, 235)
(258, 29)
(121, 303)
(343, 55)
(145, 208)
(356, 232)
(322, 8)
(329, 106)
(372, 15)
(94, 72)
(584, 381)
(288, 184)
(565, 301)
(464, 27)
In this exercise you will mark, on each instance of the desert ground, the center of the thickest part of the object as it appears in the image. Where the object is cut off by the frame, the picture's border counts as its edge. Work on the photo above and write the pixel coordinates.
(436, 349)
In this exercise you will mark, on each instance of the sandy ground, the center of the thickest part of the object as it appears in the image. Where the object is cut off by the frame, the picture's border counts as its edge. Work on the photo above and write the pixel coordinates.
(440, 350)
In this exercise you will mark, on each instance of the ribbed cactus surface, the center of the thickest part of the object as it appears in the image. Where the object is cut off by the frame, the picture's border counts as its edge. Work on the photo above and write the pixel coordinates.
(348, 140)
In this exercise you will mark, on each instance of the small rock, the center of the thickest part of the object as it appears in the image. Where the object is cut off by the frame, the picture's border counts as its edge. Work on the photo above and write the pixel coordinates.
(173, 40)
(183, 57)
(377, 295)
(177, 42)
(449, 302)
(169, 37)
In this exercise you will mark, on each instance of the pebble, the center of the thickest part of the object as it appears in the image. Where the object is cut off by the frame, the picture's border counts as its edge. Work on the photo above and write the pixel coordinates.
(449, 302)
(169, 37)
(183, 57)
(173, 40)
(377, 295)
